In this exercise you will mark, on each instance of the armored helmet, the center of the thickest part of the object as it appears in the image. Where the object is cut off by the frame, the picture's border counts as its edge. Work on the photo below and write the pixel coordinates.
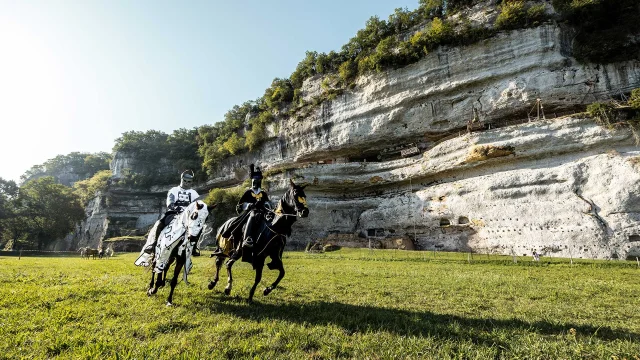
(187, 175)
(255, 172)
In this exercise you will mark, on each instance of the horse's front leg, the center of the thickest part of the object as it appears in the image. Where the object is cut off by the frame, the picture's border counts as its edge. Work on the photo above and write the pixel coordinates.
(280, 267)
(219, 261)
(152, 290)
(176, 273)
(259, 265)
(227, 289)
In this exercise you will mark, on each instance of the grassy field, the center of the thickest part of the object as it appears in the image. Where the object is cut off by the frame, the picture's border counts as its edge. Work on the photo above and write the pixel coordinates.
(345, 304)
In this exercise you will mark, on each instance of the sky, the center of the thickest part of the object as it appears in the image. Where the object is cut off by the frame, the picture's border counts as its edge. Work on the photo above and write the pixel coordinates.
(75, 75)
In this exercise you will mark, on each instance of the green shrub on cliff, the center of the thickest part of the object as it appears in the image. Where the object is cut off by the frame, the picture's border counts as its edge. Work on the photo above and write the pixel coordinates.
(214, 141)
(348, 71)
(512, 15)
(86, 189)
(634, 100)
(603, 113)
(516, 15)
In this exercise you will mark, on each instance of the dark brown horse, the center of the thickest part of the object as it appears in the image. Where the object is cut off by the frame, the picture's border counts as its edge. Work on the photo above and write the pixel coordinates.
(271, 237)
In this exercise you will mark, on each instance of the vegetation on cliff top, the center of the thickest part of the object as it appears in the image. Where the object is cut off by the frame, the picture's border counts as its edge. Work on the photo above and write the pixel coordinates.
(146, 149)
(404, 38)
(86, 189)
(80, 165)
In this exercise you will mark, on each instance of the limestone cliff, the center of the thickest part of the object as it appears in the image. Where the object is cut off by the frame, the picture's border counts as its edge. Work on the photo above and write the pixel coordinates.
(560, 185)
(545, 185)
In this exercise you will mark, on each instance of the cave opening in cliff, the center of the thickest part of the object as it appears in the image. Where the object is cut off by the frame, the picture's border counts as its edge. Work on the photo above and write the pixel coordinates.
(444, 222)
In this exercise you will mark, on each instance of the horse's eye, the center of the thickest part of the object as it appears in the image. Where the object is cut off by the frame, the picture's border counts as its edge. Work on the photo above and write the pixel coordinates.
(194, 215)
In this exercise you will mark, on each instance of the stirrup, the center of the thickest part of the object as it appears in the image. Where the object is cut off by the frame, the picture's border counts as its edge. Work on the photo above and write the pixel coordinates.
(248, 242)
(149, 250)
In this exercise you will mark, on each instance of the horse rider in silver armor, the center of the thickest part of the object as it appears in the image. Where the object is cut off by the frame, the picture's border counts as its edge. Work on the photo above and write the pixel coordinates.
(178, 198)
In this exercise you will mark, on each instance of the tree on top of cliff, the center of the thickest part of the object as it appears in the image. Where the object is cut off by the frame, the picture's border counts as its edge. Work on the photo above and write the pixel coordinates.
(80, 165)
(158, 158)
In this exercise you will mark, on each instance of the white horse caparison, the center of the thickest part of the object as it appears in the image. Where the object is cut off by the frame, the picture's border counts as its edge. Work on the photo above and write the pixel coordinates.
(175, 244)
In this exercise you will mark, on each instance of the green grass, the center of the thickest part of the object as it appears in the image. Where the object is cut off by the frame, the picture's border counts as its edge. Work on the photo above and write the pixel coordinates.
(345, 304)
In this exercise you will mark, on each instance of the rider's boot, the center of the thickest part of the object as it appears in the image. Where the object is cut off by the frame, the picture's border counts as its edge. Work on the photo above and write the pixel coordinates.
(152, 248)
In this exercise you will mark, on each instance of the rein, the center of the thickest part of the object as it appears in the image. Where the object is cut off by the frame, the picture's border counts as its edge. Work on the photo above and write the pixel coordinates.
(275, 213)
(281, 202)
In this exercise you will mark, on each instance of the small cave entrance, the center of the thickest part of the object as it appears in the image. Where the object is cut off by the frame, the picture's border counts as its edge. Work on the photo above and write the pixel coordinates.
(444, 222)
(463, 220)
(375, 233)
(634, 238)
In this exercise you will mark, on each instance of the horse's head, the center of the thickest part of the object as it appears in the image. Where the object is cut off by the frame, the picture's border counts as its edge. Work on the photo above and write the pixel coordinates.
(296, 199)
(196, 215)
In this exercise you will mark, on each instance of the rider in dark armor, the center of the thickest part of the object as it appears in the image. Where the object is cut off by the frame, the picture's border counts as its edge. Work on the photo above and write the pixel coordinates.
(256, 201)
(178, 198)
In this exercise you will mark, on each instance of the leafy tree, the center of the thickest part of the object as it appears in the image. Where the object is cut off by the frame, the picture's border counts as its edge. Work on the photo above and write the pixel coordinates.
(8, 192)
(83, 165)
(158, 158)
(86, 189)
(278, 94)
(402, 20)
(432, 8)
(305, 69)
(347, 72)
(234, 144)
(42, 212)
(512, 15)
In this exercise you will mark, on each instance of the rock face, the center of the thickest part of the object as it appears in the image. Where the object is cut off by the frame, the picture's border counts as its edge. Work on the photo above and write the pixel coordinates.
(568, 187)
(562, 186)
(546, 185)
(117, 212)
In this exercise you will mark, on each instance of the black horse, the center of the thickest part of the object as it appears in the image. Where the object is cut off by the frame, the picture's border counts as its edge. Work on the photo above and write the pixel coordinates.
(271, 237)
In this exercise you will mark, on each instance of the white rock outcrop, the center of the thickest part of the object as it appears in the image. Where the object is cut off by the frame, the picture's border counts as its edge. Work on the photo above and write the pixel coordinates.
(564, 186)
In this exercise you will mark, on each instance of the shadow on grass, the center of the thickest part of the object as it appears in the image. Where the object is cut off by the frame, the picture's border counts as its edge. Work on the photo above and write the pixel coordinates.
(355, 318)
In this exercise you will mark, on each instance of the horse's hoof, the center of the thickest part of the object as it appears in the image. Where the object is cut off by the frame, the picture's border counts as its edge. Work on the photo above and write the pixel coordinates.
(267, 291)
(212, 284)
(169, 304)
(150, 292)
(227, 291)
